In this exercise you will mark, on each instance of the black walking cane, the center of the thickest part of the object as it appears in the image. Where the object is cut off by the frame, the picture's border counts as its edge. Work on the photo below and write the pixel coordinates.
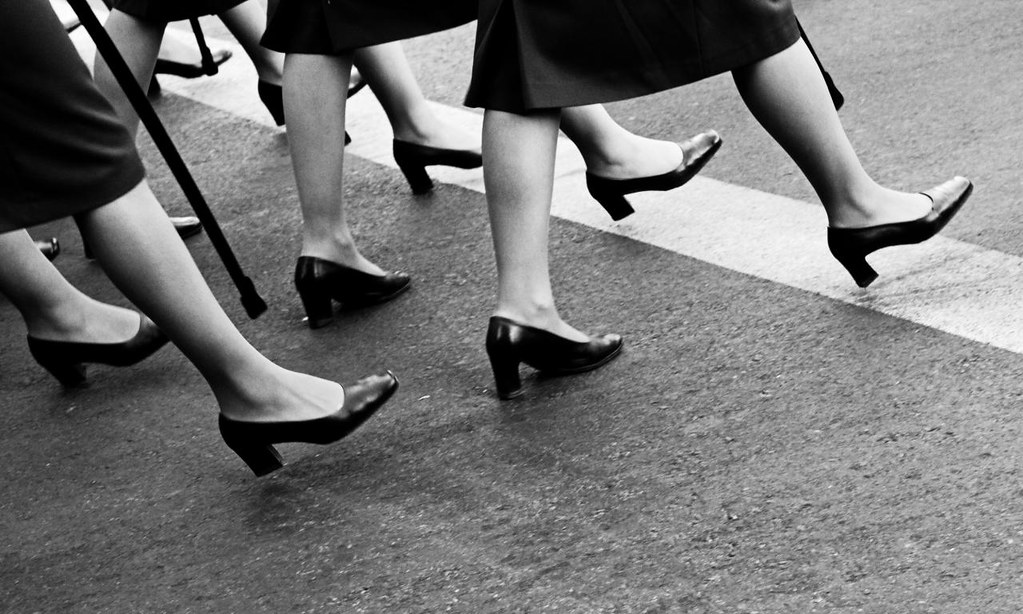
(253, 303)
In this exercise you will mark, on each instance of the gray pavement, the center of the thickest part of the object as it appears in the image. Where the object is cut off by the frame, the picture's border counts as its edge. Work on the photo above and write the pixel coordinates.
(756, 448)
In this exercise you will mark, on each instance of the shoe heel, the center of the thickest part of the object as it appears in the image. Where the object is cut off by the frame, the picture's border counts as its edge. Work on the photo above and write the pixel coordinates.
(87, 249)
(261, 459)
(862, 273)
(70, 375)
(615, 204)
(318, 307)
(506, 377)
(417, 177)
(272, 97)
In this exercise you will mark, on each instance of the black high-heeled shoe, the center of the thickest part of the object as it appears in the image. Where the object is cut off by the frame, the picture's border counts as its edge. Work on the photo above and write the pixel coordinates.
(66, 360)
(49, 248)
(272, 97)
(189, 70)
(321, 281)
(610, 193)
(413, 159)
(850, 246)
(253, 441)
(187, 226)
(510, 343)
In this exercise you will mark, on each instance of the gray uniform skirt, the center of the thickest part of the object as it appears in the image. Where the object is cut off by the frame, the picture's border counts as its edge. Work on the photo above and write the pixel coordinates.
(62, 149)
(534, 54)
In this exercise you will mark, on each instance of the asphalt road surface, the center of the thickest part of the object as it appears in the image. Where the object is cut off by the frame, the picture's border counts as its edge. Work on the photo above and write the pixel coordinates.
(773, 439)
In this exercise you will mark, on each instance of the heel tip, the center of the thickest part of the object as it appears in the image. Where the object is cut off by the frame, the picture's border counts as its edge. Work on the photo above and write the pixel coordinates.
(422, 189)
(266, 469)
(866, 281)
(507, 396)
(315, 323)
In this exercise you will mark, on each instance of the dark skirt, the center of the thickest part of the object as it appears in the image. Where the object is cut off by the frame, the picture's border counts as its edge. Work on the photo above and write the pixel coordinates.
(534, 54)
(165, 11)
(331, 27)
(62, 149)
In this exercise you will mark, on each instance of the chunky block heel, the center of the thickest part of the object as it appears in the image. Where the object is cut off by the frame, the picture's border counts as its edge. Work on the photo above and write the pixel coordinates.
(506, 372)
(254, 442)
(417, 177)
(262, 460)
(615, 204)
(317, 303)
(70, 375)
(856, 264)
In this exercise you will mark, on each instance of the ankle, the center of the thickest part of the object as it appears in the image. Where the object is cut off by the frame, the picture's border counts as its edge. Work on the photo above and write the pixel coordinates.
(536, 314)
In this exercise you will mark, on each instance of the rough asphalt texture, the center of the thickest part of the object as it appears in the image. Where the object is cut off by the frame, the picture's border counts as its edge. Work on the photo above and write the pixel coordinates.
(755, 449)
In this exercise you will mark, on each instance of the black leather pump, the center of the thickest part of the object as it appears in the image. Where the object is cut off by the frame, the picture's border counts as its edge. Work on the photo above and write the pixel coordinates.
(321, 281)
(49, 248)
(510, 343)
(253, 441)
(66, 360)
(272, 97)
(850, 246)
(413, 159)
(610, 193)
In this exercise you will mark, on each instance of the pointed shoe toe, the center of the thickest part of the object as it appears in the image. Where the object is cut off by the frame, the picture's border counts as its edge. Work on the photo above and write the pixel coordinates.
(254, 442)
(610, 193)
(510, 344)
(66, 360)
(851, 246)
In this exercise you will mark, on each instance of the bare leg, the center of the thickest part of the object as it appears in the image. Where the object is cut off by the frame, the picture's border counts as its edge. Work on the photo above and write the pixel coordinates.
(388, 74)
(52, 308)
(518, 172)
(315, 96)
(142, 254)
(139, 43)
(787, 95)
(612, 151)
(247, 21)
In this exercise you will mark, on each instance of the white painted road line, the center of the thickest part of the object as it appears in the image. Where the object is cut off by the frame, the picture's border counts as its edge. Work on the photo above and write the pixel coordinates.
(944, 284)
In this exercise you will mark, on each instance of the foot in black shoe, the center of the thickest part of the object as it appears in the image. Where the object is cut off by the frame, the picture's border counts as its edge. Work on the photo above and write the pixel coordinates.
(850, 246)
(272, 97)
(321, 281)
(413, 159)
(66, 359)
(49, 248)
(610, 193)
(253, 441)
(187, 226)
(510, 343)
(189, 70)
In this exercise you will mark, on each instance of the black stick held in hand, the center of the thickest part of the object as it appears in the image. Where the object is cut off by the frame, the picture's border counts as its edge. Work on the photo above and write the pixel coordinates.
(250, 298)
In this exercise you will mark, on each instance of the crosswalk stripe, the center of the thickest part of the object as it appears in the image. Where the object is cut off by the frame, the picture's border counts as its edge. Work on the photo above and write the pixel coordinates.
(949, 285)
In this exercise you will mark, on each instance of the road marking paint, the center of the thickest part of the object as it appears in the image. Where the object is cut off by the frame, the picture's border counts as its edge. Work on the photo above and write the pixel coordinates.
(944, 284)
